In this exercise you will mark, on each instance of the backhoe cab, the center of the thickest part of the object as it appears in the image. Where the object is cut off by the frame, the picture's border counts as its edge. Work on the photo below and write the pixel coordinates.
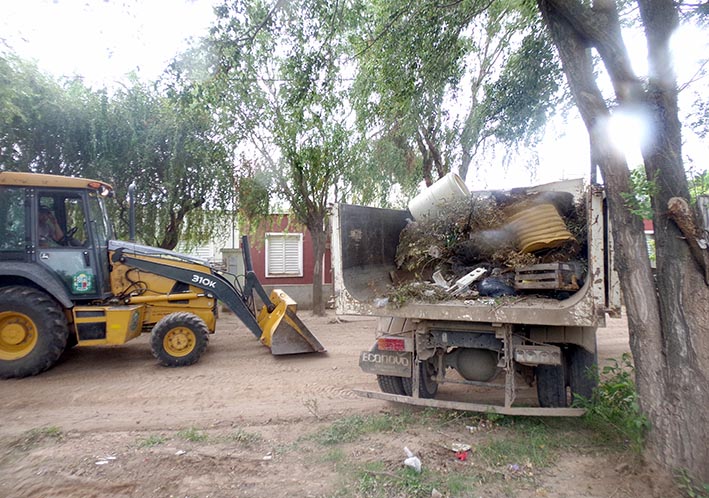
(65, 281)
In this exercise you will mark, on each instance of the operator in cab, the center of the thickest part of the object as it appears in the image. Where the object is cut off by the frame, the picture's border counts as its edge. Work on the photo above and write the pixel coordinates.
(50, 235)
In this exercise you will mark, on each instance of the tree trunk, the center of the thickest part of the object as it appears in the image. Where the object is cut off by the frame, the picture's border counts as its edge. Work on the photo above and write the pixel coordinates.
(682, 439)
(669, 334)
(319, 237)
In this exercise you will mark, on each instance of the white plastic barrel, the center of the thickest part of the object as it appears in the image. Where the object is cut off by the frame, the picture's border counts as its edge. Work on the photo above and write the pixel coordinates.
(430, 201)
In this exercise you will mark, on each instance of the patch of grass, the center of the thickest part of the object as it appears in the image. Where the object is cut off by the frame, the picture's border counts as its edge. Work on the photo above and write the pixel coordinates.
(152, 440)
(244, 438)
(524, 442)
(352, 428)
(690, 486)
(613, 410)
(192, 434)
(35, 436)
(534, 445)
(335, 456)
(374, 480)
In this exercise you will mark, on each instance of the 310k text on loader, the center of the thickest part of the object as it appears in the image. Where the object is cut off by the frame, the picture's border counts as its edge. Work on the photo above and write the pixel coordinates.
(64, 281)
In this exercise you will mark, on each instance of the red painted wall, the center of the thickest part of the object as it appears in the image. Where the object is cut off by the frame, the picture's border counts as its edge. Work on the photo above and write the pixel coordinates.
(281, 223)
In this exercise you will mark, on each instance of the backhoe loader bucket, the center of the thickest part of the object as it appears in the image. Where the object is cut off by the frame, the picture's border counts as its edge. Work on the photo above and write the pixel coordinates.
(283, 331)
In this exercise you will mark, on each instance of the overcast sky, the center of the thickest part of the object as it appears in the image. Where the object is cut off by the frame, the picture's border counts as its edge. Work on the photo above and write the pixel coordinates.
(103, 40)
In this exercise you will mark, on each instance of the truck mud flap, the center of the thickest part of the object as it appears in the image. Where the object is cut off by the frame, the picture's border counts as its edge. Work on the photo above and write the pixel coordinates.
(530, 411)
(392, 363)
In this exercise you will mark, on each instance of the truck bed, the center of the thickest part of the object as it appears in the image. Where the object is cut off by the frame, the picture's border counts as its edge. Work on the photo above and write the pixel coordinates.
(365, 241)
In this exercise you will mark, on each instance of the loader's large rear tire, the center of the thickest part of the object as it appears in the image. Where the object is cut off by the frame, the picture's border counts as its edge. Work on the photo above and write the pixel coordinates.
(33, 331)
(179, 339)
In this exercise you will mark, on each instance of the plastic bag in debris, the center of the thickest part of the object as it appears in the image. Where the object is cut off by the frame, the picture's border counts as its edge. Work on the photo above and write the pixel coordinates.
(412, 461)
(495, 287)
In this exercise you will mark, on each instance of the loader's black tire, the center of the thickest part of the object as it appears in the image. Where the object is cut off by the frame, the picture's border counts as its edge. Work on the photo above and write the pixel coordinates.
(33, 331)
(551, 386)
(427, 386)
(582, 370)
(70, 342)
(179, 339)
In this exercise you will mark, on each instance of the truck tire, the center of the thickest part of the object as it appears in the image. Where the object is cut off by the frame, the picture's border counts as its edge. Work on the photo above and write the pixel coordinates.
(388, 383)
(33, 331)
(179, 339)
(551, 386)
(391, 385)
(582, 367)
(427, 386)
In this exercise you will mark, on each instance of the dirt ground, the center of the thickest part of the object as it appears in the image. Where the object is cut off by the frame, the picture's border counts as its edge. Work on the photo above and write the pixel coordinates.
(111, 422)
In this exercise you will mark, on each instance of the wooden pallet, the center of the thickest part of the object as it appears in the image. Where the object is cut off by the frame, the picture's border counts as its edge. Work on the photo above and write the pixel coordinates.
(549, 276)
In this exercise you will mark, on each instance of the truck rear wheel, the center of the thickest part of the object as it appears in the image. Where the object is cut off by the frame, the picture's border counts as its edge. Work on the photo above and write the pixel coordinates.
(33, 331)
(428, 387)
(179, 339)
(391, 385)
(388, 383)
(582, 367)
(551, 386)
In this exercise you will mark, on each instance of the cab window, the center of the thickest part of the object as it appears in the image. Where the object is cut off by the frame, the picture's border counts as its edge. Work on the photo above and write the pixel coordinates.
(99, 220)
(61, 221)
(12, 221)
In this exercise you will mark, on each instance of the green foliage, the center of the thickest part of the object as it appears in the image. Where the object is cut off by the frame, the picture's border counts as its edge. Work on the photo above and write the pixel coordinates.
(642, 190)
(163, 139)
(244, 438)
(152, 440)
(373, 480)
(520, 100)
(38, 435)
(279, 87)
(436, 81)
(698, 183)
(613, 408)
(690, 486)
(192, 434)
(530, 442)
(351, 428)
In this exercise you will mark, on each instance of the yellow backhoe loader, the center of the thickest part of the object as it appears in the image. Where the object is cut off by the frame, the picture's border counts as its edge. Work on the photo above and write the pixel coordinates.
(65, 281)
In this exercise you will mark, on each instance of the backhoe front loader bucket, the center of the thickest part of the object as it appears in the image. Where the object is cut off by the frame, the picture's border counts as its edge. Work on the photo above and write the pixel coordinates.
(282, 330)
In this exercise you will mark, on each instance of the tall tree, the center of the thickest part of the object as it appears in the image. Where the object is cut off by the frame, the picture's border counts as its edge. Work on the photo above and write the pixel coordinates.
(282, 92)
(166, 143)
(669, 333)
(163, 139)
(436, 81)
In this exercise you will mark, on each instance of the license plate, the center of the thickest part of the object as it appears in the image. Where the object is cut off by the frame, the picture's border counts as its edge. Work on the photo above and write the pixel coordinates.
(394, 363)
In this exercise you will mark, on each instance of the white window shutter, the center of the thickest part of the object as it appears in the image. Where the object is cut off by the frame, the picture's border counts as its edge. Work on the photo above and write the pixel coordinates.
(284, 254)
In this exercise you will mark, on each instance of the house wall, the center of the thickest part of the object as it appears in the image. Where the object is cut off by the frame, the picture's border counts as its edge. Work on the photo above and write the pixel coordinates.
(278, 224)
(301, 293)
(299, 288)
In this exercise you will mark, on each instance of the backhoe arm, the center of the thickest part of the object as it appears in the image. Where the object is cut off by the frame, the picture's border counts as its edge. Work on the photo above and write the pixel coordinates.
(215, 285)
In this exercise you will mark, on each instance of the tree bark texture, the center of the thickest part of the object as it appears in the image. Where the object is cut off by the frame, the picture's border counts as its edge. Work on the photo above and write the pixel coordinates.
(319, 237)
(669, 333)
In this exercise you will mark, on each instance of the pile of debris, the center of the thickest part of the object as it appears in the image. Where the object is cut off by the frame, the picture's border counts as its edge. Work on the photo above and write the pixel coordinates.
(493, 244)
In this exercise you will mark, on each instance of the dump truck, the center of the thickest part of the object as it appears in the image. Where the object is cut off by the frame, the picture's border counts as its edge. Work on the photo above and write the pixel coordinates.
(446, 352)
(66, 281)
